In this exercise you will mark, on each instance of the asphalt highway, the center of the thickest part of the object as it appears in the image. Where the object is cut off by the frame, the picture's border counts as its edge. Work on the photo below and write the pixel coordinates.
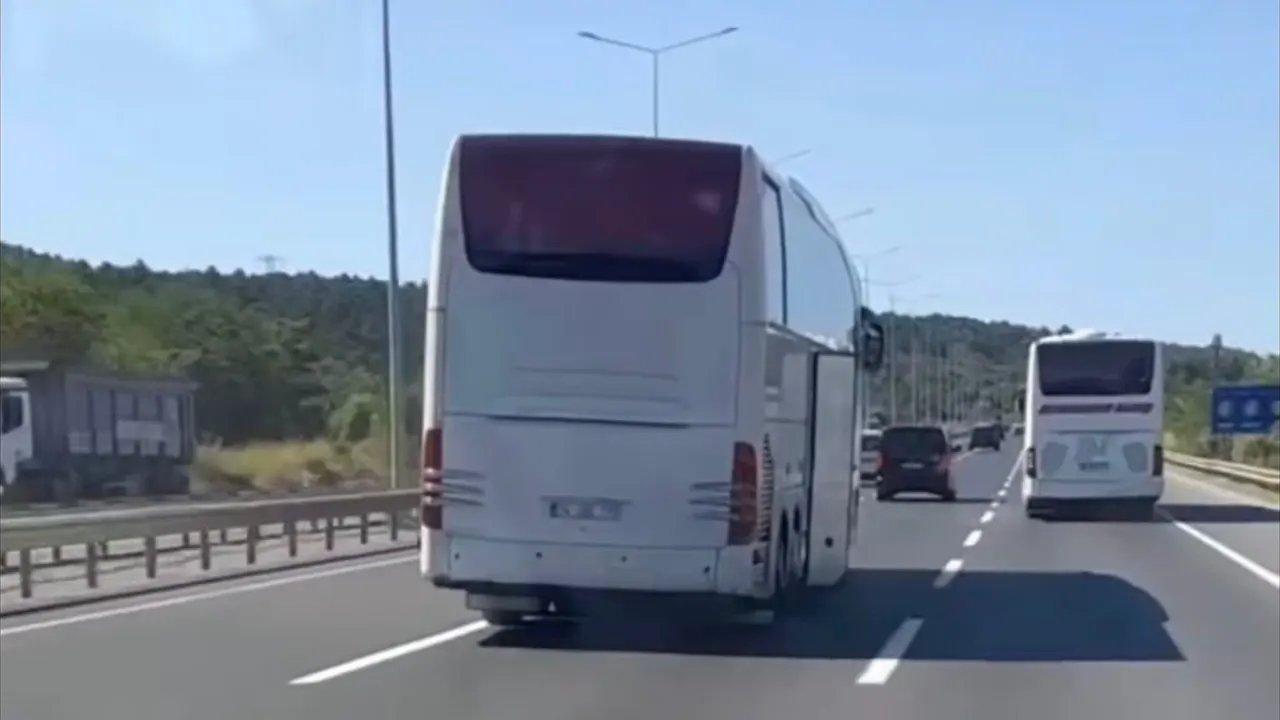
(952, 610)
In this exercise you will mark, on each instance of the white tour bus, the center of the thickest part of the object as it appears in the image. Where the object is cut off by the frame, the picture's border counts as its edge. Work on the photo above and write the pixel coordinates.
(1094, 419)
(642, 375)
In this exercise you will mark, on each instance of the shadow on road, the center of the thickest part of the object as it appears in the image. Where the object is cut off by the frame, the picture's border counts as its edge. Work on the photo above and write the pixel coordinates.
(983, 616)
(1190, 513)
(1221, 513)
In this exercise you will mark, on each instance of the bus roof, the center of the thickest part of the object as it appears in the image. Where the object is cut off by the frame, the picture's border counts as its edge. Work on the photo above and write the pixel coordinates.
(1090, 336)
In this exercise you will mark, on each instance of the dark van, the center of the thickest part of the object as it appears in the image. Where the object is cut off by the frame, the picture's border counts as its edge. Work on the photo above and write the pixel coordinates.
(915, 458)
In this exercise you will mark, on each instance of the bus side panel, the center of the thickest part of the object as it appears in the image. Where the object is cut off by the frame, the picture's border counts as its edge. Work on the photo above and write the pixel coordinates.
(787, 372)
(833, 442)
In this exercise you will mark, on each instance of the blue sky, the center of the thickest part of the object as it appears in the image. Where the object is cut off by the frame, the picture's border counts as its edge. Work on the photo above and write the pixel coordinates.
(1101, 164)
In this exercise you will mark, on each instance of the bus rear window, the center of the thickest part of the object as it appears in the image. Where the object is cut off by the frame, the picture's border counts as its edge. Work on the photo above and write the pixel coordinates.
(611, 209)
(1096, 368)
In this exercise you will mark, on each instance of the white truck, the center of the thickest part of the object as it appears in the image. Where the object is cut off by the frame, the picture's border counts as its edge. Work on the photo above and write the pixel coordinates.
(15, 428)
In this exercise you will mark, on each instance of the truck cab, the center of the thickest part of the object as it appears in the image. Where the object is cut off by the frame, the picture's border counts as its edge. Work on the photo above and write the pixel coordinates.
(15, 427)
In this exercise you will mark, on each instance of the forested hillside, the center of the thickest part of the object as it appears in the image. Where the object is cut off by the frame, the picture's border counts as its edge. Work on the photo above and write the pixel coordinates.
(302, 357)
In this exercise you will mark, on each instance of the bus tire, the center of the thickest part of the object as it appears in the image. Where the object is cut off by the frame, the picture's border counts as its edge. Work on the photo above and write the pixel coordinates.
(1142, 512)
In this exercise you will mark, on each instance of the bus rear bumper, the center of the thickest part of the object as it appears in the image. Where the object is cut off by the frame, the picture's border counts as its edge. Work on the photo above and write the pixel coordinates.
(1147, 489)
(499, 567)
(598, 603)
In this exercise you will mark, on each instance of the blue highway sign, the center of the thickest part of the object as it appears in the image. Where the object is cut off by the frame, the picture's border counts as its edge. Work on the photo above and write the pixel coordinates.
(1245, 409)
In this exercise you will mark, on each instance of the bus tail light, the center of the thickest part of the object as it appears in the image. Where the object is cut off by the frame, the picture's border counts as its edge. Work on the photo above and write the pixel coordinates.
(1031, 462)
(743, 507)
(433, 479)
(1157, 460)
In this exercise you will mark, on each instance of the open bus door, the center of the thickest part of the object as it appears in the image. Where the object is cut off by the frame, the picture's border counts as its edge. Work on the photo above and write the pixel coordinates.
(832, 499)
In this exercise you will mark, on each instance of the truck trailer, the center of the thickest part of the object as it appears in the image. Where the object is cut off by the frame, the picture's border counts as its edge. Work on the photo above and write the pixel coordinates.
(69, 433)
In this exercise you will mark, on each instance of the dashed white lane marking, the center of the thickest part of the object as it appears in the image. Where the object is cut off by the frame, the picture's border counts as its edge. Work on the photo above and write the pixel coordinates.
(183, 599)
(1002, 493)
(390, 653)
(948, 573)
(1244, 562)
(886, 661)
(986, 517)
(973, 538)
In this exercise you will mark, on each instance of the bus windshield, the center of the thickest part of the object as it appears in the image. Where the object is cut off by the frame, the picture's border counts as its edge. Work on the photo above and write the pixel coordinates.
(1096, 368)
(587, 208)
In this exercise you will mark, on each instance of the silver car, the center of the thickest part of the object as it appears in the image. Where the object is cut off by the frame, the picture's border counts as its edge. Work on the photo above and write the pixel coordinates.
(869, 461)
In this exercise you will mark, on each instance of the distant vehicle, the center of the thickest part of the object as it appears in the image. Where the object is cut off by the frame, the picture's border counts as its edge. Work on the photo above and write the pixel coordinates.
(869, 462)
(985, 436)
(15, 428)
(915, 459)
(1094, 418)
(626, 389)
(67, 434)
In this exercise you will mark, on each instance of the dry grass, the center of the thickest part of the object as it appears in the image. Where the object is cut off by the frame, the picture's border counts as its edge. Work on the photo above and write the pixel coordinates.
(292, 466)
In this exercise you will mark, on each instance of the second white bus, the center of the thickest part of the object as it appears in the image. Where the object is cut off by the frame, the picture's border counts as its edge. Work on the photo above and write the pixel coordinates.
(644, 361)
(1094, 420)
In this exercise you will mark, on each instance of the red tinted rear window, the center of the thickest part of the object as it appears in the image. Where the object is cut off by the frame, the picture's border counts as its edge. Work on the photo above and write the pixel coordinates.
(586, 208)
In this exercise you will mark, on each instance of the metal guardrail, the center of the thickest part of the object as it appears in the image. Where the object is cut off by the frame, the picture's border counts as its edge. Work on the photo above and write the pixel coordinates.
(1262, 477)
(24, 534)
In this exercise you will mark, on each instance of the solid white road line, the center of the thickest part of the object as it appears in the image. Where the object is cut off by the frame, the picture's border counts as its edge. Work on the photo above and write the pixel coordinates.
(973, 538)
(181, 600)
(886, 661)
(1244, 562)
(986, 517)
(948, 573)
(390, 653)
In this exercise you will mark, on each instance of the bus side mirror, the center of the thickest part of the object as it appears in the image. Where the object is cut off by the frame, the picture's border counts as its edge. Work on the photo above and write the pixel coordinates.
(872, 341)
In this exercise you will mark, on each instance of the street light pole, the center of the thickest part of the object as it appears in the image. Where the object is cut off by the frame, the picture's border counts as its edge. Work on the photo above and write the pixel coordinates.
(655, 94)
(393, 269)
(865, 258)
(654, 53)
(915, 376)
(893, 362)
